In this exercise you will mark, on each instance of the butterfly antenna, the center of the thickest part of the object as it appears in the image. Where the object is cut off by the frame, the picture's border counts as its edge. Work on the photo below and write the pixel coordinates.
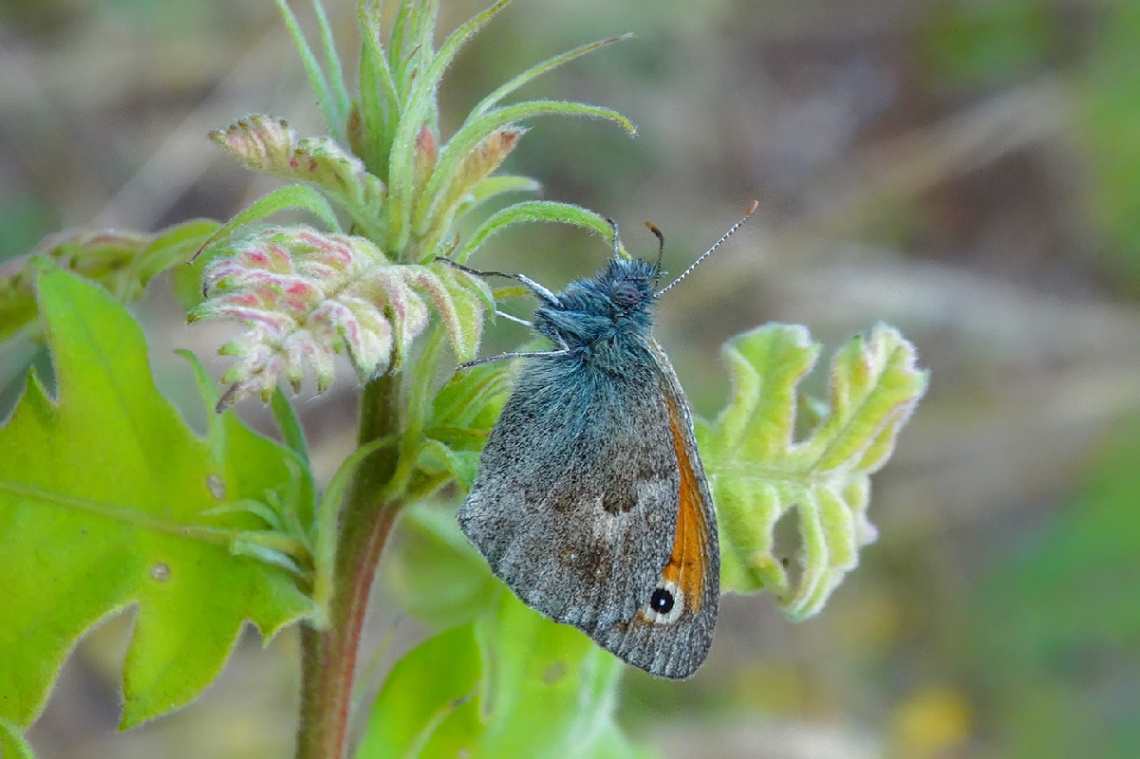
(660, 247)
(617, 237)
(733, 228)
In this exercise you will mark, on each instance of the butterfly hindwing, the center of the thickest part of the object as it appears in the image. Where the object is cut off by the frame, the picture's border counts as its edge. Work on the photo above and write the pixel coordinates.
(671, 635)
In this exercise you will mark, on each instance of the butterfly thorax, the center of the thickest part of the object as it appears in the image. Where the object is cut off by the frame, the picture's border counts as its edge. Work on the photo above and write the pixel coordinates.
(603, 317)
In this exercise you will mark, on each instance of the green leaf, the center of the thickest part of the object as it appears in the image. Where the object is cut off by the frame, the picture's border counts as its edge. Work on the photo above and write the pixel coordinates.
(437, 459)
(462, 414)
(293, 196)
(270, 145)
(12, 744)
(326, 97)
(379, 102)
(337, 85)
(492, 187)
(758, 472)
(102, 255)
(470, 401)
(187, 279)
(170, 249)
(435, 573)
(123, 262)
(433, 219)
(429, 685)
(549, 690)
(102, 501)
(418, 112)
(489, 102)
(511, 684)
(411, 42)
(432, 209)
(291, 431)
(533, 211)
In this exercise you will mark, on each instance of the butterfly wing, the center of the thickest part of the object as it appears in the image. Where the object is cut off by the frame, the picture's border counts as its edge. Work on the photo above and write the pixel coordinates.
(591, 497)
(671, 635)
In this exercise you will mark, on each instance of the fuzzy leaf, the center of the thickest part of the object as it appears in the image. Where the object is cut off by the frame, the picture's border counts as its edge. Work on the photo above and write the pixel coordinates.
(433, 216)
(462, 414)
(433, 209)
(379, 109)
(99, 255)
(412, 41)
(170, 249)
(758, 472)
(12, 744)
(489, 102)
(102, 501)
(337, 84)
(283, 198)
(271, 145)
(533, 211)
(332, 107)
(439, 461)
(494, 186)
(470, 402)
(419, 110)
(460, 299)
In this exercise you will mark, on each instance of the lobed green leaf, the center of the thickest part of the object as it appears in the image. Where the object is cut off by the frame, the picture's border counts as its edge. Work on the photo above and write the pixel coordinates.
(103, 501)
(758, 471)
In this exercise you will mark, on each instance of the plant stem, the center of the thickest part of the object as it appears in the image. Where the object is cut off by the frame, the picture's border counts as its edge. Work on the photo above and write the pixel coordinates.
(328, 657)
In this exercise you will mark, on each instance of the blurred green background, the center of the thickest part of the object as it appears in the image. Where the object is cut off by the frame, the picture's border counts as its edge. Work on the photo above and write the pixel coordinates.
(968, 171)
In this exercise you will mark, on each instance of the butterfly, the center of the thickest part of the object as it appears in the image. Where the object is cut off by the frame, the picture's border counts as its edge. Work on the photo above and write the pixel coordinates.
(591, 502)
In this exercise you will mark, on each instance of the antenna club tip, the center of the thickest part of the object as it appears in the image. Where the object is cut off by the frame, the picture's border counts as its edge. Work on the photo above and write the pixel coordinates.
(653, 228)
(752, 208)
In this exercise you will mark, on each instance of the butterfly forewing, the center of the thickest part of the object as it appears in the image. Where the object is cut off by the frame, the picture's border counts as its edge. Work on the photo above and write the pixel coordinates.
(578, 520)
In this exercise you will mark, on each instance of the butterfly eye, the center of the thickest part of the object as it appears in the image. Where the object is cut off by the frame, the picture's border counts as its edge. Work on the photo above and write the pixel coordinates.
(626, 294)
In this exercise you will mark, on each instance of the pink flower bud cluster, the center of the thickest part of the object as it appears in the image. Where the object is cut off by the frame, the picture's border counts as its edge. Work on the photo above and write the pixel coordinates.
(304, 296)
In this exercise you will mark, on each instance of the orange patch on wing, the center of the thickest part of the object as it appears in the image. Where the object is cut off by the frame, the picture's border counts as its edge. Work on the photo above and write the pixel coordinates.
(686, 567)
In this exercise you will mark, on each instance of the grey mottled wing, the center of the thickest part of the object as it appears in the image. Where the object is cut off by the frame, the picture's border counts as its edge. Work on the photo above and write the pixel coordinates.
(576, 496)
(576, 503)
(675, 644)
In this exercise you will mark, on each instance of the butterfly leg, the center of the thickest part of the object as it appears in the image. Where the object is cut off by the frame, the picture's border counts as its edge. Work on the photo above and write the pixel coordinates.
(509, 356)
(540, 291)
(514, 319)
